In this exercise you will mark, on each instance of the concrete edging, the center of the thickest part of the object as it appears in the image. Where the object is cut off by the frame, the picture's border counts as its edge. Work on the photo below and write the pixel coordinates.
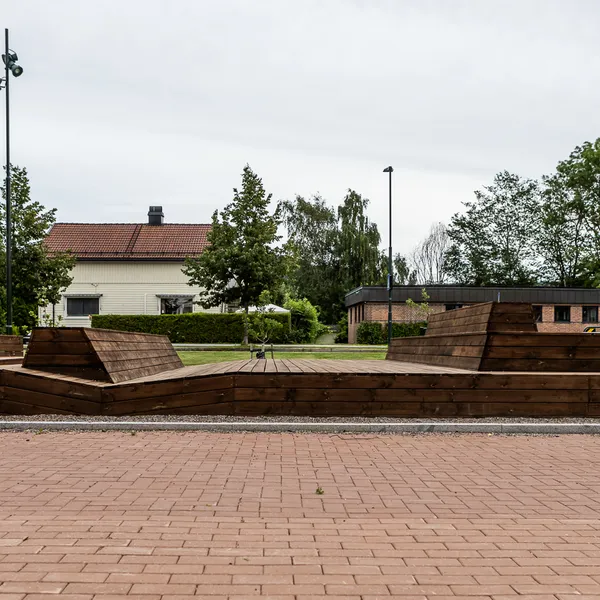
(421, 427)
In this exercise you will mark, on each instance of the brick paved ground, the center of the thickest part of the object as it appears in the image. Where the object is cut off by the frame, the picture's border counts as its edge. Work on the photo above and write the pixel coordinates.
(176, 515)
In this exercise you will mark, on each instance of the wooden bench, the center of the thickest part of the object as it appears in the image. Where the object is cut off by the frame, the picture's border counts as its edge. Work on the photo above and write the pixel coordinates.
(100, 354)
(483, 318)
(497, 336)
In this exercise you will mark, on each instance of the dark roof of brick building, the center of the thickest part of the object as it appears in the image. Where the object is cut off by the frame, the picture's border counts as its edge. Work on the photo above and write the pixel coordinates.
(452, 294)
(128, 241)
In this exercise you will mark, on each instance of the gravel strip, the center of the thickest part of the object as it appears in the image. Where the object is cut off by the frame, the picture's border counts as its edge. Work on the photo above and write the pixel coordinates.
(302, 425)
(286, 419)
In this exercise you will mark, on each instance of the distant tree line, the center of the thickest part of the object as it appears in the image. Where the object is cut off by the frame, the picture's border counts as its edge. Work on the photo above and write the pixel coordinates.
(516, 231)
(519, 231)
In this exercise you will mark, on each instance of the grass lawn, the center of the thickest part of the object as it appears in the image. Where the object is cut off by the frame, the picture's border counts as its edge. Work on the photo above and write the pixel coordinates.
(205, 357)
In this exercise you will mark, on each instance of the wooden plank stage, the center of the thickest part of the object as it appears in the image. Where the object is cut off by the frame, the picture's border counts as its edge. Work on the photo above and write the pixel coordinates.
(307, 388)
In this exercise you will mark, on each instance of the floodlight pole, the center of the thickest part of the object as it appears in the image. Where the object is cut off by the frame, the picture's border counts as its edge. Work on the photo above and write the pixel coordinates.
(390, 282)
(8, 199)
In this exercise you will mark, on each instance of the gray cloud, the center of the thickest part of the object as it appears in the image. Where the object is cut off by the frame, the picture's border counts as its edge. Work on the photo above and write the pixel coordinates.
(129, 103)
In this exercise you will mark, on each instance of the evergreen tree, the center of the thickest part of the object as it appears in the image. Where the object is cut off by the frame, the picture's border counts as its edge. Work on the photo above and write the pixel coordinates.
(242, 260)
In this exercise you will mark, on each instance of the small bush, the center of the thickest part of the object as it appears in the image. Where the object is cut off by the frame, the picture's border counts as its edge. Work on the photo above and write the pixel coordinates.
(372, 332)
(342, 335)
(404, 329)
(322, 329)
(305, 321)
(192, 328)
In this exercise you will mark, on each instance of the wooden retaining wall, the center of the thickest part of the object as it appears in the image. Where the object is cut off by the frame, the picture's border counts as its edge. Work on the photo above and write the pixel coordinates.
(308, 388)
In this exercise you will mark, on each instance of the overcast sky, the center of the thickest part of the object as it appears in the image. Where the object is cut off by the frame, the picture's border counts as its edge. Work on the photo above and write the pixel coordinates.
(128, 103)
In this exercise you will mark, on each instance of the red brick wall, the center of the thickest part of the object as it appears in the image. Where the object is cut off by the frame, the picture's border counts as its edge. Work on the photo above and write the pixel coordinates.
(548, 325)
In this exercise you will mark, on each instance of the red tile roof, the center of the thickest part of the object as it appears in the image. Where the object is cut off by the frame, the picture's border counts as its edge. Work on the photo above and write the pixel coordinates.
(128, 241)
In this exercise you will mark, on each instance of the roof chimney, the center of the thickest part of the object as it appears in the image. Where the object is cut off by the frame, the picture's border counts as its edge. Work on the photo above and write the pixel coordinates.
(156, 215)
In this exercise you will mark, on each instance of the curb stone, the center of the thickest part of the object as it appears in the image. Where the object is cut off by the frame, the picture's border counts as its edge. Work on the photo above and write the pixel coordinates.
(421, 427)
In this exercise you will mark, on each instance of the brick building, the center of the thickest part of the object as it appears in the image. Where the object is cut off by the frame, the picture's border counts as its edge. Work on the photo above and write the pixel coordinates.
(556, 309)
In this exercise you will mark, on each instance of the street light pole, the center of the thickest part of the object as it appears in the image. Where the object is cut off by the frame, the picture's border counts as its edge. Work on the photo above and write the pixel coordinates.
(8, 199)
(390, 282)
(10, 66)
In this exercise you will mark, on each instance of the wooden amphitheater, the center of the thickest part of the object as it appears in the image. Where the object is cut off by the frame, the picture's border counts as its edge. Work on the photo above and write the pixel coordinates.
(481, 361)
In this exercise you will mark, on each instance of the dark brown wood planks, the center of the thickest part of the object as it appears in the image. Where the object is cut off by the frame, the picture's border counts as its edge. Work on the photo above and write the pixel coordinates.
(503, 338)
(482, 318)
(11, 345)
(459, 350)
(100, 354)
(543, 352)
(308, 388)
(64, 350)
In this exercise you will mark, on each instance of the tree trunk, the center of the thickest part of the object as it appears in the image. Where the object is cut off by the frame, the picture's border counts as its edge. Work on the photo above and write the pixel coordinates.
(246, 325)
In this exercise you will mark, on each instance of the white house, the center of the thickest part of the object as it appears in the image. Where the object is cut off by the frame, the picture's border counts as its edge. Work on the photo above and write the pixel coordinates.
(126, 268)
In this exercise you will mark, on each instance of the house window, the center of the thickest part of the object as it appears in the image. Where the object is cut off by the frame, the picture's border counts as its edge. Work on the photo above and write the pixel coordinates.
(82, 307)
(537, 314)
(590, 314)
(176, 305)
(562, 314)
(453, 306)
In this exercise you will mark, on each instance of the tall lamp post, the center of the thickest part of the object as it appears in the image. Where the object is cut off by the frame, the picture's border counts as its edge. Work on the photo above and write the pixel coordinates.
(390, 282)
(10, 59)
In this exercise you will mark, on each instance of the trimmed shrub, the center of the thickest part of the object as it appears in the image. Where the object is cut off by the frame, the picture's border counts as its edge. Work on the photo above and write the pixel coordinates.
(191, 328)
(369, 332)
(305, 321)
(372, 333)
(404, 329)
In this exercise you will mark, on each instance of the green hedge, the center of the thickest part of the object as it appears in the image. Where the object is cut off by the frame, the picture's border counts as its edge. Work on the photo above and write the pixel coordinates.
(192, 328)
(372, 333)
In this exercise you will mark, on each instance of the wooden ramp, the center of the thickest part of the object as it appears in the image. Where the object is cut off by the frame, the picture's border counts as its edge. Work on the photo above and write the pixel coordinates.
(300, 387)
(497, 337)
(100, 354)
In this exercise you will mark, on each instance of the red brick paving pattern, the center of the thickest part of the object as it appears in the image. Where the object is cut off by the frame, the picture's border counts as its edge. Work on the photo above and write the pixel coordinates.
(180, 515)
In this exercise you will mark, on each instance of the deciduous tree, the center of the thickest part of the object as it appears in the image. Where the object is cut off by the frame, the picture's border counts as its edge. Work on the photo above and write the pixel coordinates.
(312, 231)
(493, 242)
(428, 258)
(335, 251)
(38, 277)
(564, 239)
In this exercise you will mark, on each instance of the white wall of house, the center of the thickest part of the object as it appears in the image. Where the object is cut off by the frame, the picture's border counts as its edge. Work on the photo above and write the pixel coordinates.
(125, 288)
